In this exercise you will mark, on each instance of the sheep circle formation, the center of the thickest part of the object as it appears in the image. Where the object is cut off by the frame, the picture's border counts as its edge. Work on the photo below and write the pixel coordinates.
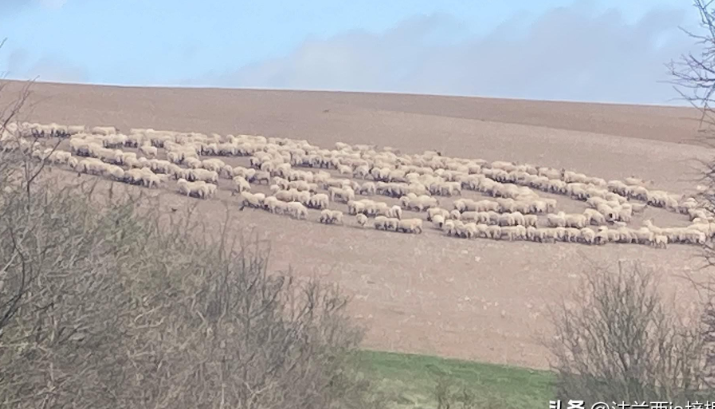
(513, 210)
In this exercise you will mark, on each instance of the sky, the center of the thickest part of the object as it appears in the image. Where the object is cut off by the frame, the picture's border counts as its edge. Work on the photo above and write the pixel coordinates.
(572, 50)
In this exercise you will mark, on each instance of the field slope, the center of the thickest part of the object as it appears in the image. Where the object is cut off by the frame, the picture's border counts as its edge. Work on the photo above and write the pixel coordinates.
(480, 299)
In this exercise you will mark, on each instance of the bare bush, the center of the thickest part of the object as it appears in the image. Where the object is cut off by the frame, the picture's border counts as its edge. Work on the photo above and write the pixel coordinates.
(107, 306)
(105, 302)
(619, 341)
(694, 79)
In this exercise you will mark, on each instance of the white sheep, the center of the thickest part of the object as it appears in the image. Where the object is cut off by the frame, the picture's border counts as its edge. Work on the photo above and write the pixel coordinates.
(240, 184)
(394, 212)
(272, 204)
(361, 219)
(409, 226)
(434, 211)
(254, 200)
(201, 174)
(328, 216)
(341, 194)
(588, 236)
(419, 203)
(556, 220)
(318, 201)
(104, 130)
(594, 217)
(438, 221)
(660, 241)
(367, 189)
(260, 177)
(198, 189)
(297, 210)
(494, 232)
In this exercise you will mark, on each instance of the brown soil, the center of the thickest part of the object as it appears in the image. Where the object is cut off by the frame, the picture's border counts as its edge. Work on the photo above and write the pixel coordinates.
(478, 299)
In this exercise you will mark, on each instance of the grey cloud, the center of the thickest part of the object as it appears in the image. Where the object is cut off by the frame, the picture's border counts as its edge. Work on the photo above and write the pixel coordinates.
(565, 54)
(10, 7)
(57, 70)
(47, 68)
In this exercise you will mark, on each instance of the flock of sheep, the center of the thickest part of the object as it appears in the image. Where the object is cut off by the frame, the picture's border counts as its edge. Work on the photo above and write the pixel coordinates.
(298, 181)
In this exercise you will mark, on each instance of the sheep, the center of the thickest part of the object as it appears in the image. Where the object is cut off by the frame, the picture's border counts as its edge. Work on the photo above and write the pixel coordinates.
(394, 212)
(213, 164)
(76, 129)
(438, 221)
(356, 207)
(643, 235)
(380, 223)
(297, 210)
(513, 233)
(143, 176)
(341, 194)
(114, 141)
(247, 173)
(240, 184)
(434, 211)
(272, 204)
(519, 219)
(572, 234)
(91, 166)
(361, 220)
(361, 172)
(481, 206)
(505, 219)
(201, 174)
(254, 200)
(556, 220)
(449, 227)
(604, 235)
(588, 236)
(419, 203)
(494, 232)
(531, 220)
(104, 130)
(198, 189)
(345, 170)
(634, 181)
(660, 241)
(318, 201)
(367, 189)
(594, 217)
(286, 195)
(410, 226)
(328, 216)
(578, 221)
(260, 177)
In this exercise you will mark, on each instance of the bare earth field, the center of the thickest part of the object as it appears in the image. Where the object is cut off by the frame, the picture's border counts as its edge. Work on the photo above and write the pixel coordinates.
(475, 299)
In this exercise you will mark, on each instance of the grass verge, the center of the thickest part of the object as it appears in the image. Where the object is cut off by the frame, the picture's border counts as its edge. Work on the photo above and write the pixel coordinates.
(411, 381)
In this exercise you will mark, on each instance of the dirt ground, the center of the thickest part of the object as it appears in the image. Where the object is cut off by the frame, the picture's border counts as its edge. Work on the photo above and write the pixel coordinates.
(475, 299)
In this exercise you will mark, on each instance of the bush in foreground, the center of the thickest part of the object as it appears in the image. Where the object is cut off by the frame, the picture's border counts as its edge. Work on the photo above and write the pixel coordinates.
(107, 303)
(620, 342)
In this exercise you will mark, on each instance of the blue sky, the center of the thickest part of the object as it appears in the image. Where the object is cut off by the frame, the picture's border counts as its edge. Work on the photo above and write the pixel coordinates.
(587, 50)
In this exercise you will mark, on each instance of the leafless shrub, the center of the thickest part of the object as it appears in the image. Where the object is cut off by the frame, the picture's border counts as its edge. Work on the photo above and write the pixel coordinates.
(694, 79)
(105, 302)
(619, 341)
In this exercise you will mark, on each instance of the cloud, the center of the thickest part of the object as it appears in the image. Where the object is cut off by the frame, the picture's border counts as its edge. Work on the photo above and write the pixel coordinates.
(47, 68)
(9, 7)
(57, 70)
(565, 54)
(52, 4)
